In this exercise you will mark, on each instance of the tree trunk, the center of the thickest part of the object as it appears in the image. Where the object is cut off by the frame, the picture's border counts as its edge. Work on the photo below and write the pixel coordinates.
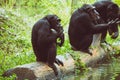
(40, 71)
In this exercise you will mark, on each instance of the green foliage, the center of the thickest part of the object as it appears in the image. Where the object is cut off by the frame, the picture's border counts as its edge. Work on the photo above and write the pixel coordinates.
(65, 48)
(115, 44)
(16, 20)
(80, 66)
(117, 2)
(15, 45)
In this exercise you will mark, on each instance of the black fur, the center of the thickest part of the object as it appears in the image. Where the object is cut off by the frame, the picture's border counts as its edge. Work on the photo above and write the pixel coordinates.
(83, 25)
(44, 39)
(108, 11)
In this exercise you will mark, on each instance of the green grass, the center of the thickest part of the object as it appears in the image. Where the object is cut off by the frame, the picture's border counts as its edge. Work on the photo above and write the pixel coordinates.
(16, 20)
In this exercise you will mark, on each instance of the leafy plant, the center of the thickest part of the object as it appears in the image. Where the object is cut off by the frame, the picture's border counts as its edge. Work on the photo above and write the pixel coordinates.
(16, 20)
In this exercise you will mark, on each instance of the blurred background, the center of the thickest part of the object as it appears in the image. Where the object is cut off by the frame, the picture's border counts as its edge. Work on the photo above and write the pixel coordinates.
(17, 18)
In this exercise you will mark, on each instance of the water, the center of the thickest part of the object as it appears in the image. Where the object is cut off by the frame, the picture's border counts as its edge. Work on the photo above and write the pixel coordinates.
(109, 71)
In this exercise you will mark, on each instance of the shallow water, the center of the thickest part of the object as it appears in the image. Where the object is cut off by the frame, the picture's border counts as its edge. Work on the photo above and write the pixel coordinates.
(109, 71)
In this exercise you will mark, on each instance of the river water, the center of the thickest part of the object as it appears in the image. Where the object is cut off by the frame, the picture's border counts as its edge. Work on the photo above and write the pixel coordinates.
(106, 71)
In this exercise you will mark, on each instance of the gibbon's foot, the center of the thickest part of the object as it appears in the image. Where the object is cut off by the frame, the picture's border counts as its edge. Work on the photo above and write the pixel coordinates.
(87, 51)
(74, 49)
(59, 62)
(54, 68)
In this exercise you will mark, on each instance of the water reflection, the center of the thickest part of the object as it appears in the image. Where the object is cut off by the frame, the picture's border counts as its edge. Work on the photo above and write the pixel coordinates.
(109, 71)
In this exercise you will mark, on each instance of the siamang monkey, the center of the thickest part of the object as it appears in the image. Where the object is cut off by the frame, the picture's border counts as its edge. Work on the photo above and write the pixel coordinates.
(83, 25)
(45, 33)
(108, 11)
